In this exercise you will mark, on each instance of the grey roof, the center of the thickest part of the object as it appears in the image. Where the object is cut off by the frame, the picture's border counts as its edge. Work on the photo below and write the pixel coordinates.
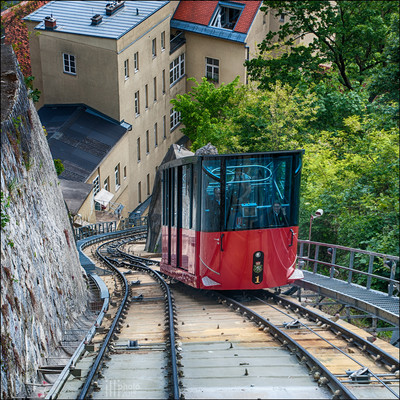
(75, 193)
(75, 16)
(209, 31)
(79, 137)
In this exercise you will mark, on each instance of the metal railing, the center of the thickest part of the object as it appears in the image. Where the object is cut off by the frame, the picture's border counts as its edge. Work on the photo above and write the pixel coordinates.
(368, 269)
(107, 227)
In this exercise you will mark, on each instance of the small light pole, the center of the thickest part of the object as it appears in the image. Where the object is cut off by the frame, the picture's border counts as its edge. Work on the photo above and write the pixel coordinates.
(318, 213)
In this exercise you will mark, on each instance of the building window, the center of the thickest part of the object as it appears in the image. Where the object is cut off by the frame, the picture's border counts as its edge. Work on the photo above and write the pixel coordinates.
(146, 96)
(154, 48)
(148, 184)
(147, 142)
(126, 69)
(117, 177)
(139, 191)
(164, 127)
(69, 64)
(226, 17)
(163, 81)
(155, 88)
(138, 149)
(96, 185)
(107, 183)
(174, 119)
(282, 18)
(162, 41)
(136, 61)
(177, 69)
(137, 105)
(155, 135)
(125, 172)
(212, 69)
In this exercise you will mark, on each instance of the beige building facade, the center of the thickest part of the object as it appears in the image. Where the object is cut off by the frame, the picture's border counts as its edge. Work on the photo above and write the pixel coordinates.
(131, 64)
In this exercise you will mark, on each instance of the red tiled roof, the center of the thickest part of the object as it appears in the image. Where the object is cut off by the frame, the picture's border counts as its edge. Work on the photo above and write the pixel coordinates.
(200, 12)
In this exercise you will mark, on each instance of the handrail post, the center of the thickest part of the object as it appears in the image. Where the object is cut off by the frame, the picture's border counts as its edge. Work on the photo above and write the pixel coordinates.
(333, 261)
(316, 259)
(392, 276)
(370, 269)
(351, 266)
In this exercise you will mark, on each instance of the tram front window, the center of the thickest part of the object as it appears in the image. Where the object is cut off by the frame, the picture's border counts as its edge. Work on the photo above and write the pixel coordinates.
(255, 187)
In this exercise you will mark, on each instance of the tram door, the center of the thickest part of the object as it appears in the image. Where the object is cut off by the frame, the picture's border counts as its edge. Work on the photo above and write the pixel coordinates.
(210, 235)
(174, 215)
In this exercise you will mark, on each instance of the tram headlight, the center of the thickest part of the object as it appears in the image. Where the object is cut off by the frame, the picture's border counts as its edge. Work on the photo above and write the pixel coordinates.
(258, 267)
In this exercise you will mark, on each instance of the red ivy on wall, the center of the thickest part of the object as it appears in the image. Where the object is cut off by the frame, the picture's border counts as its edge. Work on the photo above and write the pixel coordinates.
(16, 32)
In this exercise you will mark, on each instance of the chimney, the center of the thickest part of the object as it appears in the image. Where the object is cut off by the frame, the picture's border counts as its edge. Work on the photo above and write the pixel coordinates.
(50, 23)
(114, 6)
(96, 19)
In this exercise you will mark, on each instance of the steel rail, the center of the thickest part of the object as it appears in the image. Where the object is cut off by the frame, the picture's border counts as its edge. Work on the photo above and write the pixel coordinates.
(142, 265)
(339, 390)
(332, 345)
(62, 378)
(374, 351)
(86, 387)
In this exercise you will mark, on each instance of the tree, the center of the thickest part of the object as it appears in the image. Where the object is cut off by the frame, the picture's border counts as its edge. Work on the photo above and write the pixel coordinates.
(385, 81)
(204, 111)
(348, 36)
(274, 119)
(244, 119)
(353, 176)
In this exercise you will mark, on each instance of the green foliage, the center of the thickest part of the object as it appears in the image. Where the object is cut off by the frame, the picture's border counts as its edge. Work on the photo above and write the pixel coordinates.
(353, 175)
(384, 83)
(349, 36)
(5, 203)
(243, 119)
(335, 105)
(273, 119)
(204, 111)
(33, 93)
(59, 166)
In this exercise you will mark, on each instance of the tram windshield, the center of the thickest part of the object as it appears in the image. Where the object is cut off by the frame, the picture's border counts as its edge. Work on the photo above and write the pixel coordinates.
(255, 192)
(259, 193)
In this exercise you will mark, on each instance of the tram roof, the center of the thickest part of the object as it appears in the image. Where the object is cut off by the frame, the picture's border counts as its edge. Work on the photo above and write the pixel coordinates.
(195, 159)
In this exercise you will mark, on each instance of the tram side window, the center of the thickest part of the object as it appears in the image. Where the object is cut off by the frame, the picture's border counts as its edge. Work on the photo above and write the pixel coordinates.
(211, 196)
(171, 190)
(186, 196)
(193, 207)
(165, 197)
(175, 196)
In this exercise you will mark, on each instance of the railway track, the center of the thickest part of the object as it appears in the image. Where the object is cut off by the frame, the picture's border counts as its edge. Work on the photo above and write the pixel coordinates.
(347, 363)
(135, 345)
(261, 346)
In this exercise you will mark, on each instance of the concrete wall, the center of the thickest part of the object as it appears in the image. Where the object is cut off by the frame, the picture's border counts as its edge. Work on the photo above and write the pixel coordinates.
(43, 288)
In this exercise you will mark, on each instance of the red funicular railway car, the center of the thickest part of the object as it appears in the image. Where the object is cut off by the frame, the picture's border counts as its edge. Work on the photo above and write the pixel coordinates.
(230, 222)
